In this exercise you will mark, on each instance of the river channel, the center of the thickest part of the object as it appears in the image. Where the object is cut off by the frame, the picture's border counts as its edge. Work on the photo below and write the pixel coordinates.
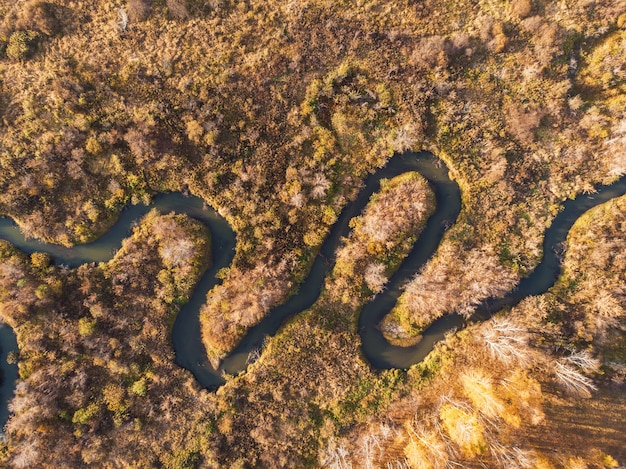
(190, 352)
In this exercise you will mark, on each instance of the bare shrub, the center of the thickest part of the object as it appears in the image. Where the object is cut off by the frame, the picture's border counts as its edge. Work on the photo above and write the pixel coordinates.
(375, 277)
(138, 10)
(178, 9)
(533, 24)
(406, 138)
(459, 42)
(512, 457)
(521, 8)
(616, 147)
(320, 184)
(522, 122)
(584, 361)
(485, 23)
(336, 457)
(122, 21)
(177, 252)
(27, 454)
(429, 52)
(139, 145)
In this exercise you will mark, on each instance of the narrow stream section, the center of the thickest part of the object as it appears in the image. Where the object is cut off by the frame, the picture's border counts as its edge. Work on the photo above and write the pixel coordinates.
(190, 352)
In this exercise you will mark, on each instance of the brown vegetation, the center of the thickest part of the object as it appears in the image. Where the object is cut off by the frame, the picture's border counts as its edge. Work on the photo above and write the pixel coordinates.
(274, 112)
(97, 372)
(380, 238)
(531, 389)
(454, 281)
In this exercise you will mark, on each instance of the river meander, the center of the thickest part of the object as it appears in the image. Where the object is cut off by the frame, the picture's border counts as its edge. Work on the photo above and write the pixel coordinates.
(190, 352)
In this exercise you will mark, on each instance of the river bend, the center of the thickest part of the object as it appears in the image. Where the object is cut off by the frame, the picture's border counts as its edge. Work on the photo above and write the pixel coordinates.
(190, 352)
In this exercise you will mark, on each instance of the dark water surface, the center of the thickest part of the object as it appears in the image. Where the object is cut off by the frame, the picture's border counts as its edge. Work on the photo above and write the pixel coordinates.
(190, 352)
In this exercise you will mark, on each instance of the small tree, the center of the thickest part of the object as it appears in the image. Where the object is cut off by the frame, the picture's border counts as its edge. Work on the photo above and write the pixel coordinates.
(464, 429)
(572, 377)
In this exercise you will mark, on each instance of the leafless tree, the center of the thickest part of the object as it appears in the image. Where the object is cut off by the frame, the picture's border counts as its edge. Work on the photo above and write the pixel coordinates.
(336, 457)
(122, 21)
(572, 379)
(506, 341)
(511, 456)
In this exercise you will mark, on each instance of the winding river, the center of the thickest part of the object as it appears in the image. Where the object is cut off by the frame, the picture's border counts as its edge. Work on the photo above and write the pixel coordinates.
(190, 352)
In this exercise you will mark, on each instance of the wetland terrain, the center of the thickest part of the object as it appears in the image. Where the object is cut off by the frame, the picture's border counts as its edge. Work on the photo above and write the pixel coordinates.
(310, 292)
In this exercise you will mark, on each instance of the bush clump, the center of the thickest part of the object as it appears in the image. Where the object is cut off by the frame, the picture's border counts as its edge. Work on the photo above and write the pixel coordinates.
(22, 45)
(41, 17)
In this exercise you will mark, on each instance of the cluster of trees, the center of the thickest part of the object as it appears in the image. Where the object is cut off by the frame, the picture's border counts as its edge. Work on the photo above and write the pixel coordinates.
(590, 310)
(277, 391)
(512, 243)
(380, 238)
(480, 399)
(455, 280)
(343, 115)
(97, 372)
(230, 309)
(122, 128)
(492, 392)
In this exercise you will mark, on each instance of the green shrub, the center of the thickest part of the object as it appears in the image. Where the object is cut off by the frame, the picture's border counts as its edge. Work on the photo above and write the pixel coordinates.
(139, 387)
(84, 416)
(40, 260)
(22, 45)
(86, 327)
(42, 291)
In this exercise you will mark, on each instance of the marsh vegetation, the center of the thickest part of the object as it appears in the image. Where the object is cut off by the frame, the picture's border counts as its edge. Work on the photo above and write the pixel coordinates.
(274, 113)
